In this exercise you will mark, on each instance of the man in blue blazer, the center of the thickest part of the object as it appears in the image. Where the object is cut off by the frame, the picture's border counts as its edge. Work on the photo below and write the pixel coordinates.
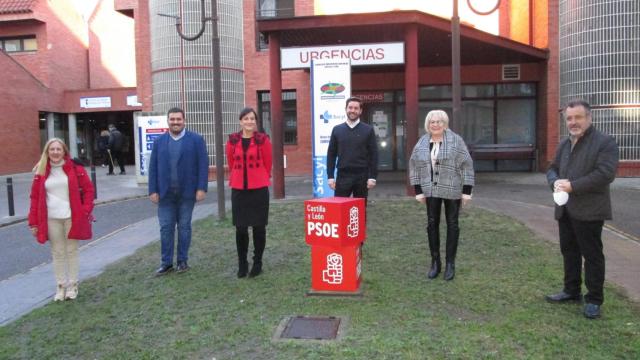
(178, 177)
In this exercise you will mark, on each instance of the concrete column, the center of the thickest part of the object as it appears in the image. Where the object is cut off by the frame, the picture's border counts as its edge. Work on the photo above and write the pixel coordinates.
(50, 126)
(73, 137)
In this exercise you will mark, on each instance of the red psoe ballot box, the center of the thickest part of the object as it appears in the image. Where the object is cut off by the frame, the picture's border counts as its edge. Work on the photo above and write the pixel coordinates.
(335, 227)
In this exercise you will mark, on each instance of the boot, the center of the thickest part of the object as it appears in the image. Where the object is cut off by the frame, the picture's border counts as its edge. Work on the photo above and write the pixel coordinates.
(436, 266)
(60, 292)
(243, 268)
(72, 291)
(449, 271)
(256, 269)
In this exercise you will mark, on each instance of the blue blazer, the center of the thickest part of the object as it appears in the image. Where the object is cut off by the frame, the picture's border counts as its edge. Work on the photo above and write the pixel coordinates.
(193, 166)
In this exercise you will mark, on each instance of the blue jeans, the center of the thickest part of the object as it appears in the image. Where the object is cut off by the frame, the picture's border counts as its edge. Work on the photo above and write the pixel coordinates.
(174, 210)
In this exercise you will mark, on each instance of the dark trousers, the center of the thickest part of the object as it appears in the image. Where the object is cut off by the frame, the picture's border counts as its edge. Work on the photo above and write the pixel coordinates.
(259, 242)
(116, 156)
(580, 239)
(451, 211)
(352, 182)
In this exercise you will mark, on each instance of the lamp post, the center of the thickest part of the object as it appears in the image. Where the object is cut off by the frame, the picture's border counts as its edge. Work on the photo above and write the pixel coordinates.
(456, 88)
(217, 91)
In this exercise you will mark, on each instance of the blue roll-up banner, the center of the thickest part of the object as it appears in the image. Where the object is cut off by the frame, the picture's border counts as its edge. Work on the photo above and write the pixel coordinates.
(330, 88)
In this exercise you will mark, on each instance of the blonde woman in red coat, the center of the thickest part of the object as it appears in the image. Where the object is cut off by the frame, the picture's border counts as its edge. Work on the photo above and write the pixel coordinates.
(249, 157)
(61, 205)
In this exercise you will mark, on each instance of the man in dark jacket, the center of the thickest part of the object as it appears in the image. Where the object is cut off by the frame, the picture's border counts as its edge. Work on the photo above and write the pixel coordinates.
(116, 143)
(178, 175)
(584, 166)
(353, 145)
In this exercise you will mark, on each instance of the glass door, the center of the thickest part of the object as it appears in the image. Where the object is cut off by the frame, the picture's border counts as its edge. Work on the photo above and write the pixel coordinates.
(380, 116)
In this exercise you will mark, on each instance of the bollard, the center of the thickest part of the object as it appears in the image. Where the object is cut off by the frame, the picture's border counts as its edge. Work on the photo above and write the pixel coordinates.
(12, 210)
(93, 180)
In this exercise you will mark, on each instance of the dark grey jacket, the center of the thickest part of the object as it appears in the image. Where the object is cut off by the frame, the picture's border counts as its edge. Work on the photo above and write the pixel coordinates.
(590, 168)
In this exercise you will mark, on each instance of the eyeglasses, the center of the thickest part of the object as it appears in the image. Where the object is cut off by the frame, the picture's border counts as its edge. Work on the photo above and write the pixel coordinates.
(436, 122)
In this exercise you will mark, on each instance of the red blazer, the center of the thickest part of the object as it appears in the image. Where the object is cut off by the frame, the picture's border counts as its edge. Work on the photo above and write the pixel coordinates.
(80, 207)
(258, 161)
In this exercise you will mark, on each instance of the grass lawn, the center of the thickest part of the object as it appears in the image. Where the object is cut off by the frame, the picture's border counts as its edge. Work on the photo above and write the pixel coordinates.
(494, 308)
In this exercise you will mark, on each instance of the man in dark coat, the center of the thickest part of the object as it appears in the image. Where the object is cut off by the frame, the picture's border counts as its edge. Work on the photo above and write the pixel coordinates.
(116, 143)
(584, 166)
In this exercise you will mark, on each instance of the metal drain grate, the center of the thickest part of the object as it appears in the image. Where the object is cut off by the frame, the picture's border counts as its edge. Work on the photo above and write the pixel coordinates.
(320, 328)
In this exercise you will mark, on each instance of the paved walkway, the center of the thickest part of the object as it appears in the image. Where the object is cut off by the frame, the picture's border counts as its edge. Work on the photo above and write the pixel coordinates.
(25, 292)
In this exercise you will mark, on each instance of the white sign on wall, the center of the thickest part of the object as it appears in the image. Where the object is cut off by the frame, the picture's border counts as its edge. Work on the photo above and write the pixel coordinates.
(330, 88)
(357, 54)
(95, 102)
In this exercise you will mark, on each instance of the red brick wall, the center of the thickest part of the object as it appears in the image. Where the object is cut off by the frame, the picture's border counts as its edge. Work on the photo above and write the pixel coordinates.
(143, 54)
(35, 62)
(111, 48)
(549, 94)
(19, 121)
(66, 48)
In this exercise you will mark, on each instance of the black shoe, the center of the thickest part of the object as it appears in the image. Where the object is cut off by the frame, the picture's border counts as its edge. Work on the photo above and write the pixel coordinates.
(243, 269)
(256, 269)
(122, 173)
(436, 266)
(563, 297)
(591, 311)
(109, 174)
(182, 267)
(449, 271)
(164, 270)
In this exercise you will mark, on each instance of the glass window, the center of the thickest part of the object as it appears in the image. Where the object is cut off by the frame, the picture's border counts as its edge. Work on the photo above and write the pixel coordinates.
(289, 112)
(30, 44)
(477, 122)
(19, 44)
(523, 89)
(516, 121)
(477, 91)
(12, 45)
(435, 92)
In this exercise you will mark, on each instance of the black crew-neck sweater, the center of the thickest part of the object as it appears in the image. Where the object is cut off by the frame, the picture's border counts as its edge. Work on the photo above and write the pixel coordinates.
(353, 149)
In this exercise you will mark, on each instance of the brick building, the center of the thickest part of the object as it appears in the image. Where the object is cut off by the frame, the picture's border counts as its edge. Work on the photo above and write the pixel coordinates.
(65, 76)
(510, 77)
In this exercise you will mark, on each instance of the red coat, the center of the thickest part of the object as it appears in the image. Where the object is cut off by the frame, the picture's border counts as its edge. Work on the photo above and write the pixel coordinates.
(80, 207)
(258, 161)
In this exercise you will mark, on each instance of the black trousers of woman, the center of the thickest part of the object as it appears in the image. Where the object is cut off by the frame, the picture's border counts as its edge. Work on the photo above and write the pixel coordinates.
(451, 212)
(242, 244)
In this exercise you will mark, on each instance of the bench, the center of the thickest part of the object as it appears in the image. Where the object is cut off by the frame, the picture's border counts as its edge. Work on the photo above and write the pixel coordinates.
(506, 152)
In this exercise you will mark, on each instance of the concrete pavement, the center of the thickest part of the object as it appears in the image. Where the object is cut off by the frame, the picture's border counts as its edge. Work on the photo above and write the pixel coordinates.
(25, 292)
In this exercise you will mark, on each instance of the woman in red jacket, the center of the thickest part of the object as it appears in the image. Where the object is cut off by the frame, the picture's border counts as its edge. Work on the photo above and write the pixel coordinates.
(249, 158)
(61, 205)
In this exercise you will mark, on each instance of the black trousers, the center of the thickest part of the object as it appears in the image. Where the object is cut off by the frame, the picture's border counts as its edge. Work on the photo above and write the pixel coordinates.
(259, 242)
(116, 156)
(451, 212)
(352, 182)
(580, 239)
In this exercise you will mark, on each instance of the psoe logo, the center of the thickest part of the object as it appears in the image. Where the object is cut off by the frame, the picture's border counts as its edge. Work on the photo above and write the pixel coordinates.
(332, 88)
(326, 116)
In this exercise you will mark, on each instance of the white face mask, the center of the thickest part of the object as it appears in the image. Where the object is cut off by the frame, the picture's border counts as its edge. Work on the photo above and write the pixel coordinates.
(560, 197)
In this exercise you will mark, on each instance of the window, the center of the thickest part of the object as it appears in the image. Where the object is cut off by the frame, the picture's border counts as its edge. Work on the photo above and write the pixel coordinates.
(266, 9)
(274, 9)
(289, 113)
(19, 44)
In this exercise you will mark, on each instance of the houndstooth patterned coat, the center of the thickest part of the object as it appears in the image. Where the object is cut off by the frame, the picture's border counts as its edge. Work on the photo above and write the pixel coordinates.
(453, 169)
